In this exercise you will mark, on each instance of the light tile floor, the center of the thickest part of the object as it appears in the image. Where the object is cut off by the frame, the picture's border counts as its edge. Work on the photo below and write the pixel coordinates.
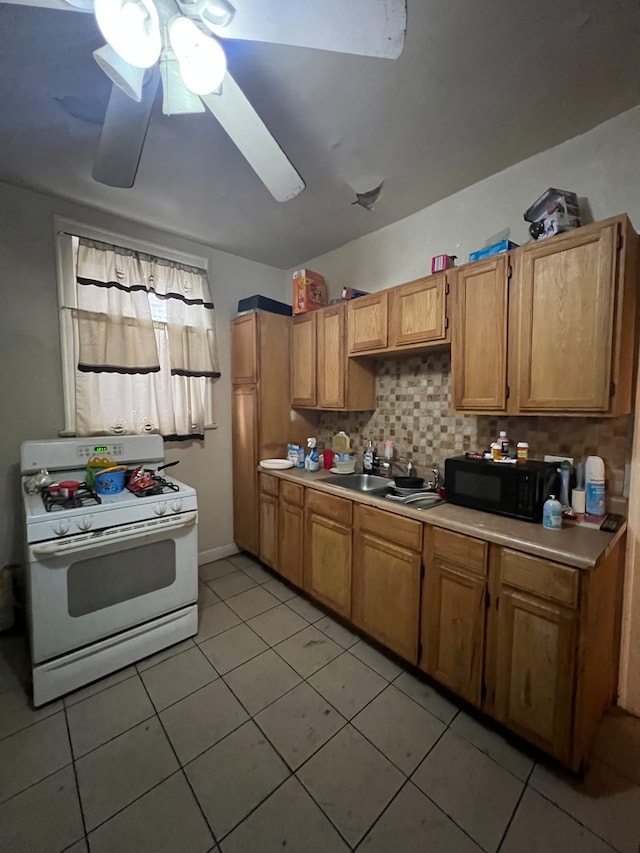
(276, 728)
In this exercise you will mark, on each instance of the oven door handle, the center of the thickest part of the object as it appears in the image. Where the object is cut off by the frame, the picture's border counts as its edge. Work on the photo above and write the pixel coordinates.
(55, 549)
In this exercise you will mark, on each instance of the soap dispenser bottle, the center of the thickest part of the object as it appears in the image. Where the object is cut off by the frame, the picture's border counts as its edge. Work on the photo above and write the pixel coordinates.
(368, 458)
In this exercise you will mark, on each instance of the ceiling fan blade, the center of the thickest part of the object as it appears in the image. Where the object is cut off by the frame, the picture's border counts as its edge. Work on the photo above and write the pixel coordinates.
(123, 134)
(251, 135)
(365, 27)
(70, 6)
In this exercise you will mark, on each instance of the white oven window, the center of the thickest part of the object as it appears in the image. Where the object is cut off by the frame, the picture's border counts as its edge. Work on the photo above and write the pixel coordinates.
(106, 579)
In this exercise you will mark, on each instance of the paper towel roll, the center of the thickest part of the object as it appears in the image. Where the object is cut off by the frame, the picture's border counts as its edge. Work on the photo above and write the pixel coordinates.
(577, 500)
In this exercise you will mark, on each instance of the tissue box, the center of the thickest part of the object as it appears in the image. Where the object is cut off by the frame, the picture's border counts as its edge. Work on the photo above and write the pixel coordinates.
(439, 263)
(309, 291)
(494, 249)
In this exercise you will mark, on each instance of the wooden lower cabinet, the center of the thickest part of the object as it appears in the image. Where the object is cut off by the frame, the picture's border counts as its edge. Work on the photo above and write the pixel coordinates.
(535, 678)
(454, 610)
(386, 579)
(291, 532)
(269, 488)
(327, 551)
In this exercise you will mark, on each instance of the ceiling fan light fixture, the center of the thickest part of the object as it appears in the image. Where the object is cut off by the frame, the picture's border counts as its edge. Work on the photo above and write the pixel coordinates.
(216, 13)
(176, 98)
(127, 77)
(202, 61)
(132, 28)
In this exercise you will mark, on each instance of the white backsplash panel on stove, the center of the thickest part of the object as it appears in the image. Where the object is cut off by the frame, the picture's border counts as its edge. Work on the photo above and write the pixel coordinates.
(414, 411)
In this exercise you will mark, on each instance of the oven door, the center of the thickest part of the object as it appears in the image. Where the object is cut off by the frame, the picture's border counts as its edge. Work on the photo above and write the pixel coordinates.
(86, 588)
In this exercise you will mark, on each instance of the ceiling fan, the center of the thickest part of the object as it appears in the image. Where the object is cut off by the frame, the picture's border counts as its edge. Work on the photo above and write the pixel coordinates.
(175, 41)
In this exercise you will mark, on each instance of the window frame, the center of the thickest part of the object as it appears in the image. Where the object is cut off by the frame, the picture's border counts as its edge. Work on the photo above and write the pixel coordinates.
(64, 231)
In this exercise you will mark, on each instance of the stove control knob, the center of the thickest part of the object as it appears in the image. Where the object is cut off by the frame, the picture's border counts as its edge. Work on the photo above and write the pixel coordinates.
(176, 506)
(61, 528)
(160, 509)
(85, 523)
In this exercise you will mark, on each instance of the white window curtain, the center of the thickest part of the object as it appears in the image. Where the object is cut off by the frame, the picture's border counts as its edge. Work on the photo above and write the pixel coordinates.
(145, 344)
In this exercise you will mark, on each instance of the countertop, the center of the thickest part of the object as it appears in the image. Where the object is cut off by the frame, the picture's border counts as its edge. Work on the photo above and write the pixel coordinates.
(579, 547)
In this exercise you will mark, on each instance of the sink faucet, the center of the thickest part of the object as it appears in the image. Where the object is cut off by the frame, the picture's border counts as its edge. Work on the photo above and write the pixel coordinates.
(384, 467)
(408, 469)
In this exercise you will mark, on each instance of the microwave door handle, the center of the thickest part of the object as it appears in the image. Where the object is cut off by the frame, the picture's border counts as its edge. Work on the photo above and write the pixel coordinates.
(54, 549)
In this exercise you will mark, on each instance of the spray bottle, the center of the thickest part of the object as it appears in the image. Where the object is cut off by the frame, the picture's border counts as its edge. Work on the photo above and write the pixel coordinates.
(312, 460)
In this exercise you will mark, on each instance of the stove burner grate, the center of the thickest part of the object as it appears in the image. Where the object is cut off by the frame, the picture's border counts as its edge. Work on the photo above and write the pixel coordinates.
(84, 496)
(160, 486)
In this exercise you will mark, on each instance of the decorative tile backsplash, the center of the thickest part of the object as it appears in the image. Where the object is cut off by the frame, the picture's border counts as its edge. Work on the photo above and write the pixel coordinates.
(414, 411)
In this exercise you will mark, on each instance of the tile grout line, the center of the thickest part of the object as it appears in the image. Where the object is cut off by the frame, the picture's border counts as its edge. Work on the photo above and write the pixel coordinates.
(77, 781)
(515, 809)
(572, 816)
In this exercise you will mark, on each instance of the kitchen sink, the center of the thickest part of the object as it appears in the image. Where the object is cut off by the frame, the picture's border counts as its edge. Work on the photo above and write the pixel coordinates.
(368, 483)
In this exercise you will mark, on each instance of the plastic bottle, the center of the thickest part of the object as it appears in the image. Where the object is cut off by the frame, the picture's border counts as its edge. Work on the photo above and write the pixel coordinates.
(504, 443)
(496, 451)
(341, 442)
(312, 459)
(368, 458)
(594, 485)
(522, 451)
(552, 513)
(388, 449)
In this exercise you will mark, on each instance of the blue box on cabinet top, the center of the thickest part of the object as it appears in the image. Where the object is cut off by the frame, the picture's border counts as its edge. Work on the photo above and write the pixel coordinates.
(494, 249)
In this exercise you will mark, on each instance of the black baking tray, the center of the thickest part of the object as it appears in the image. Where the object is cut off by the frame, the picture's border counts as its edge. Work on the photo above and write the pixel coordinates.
(263, 303)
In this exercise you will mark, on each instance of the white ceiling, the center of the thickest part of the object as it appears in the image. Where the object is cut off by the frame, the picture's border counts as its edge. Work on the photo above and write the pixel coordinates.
(478, 87)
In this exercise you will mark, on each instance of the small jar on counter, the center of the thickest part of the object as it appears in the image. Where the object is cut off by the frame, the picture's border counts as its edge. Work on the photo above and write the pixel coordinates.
(496, 451)
(522, 451)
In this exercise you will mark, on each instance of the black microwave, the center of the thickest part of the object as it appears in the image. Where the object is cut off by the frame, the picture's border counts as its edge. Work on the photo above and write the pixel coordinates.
(515, 489)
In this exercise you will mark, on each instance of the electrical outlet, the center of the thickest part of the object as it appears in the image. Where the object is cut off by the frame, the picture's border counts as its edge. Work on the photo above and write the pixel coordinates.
(548, 458)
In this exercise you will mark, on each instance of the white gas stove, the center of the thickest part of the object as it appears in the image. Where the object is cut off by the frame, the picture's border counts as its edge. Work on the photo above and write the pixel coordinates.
(110, 578)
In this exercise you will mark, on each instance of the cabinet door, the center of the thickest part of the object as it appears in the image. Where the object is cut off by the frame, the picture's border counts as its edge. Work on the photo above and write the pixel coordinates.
(386, 593)
(566, 295)
(479, 335)
(453, 628)
(244, 348)
(331, 357)
(290, 541)
(303, 360)
(418, 312)
(244, 418)
(535, 675)
(327, 563)
(269, 530)
(367, 319)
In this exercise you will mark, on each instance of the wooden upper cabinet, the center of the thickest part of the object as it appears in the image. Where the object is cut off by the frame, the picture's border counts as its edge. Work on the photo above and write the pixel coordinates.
(244, 349)
(479, 317)
(331, 358)
(566, 301)
(303, 360)
(322, 375)
(368, 322)
(418, 312)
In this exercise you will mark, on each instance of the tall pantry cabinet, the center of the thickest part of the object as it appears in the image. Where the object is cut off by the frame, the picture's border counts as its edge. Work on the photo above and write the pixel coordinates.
(262, 422)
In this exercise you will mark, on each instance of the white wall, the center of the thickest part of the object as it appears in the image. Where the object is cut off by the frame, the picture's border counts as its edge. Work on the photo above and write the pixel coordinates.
(601, 166)
(31, 378)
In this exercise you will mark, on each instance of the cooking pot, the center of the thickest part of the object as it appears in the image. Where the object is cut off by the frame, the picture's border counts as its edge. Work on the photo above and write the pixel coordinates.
(409, 482)
(68, 488)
